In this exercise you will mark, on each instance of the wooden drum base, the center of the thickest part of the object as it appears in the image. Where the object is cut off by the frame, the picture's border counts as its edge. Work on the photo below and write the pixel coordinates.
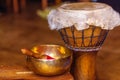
(83, 67)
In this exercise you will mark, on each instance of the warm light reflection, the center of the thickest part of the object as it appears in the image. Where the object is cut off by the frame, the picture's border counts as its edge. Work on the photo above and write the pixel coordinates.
(62, 50)
(35, 50)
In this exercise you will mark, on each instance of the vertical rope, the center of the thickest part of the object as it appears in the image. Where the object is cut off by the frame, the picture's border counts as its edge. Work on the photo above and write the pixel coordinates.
(67, 38)
(74, 39)
(92, 36)
(82, 45)
(63, 38)
(104, 37)
(98, 42)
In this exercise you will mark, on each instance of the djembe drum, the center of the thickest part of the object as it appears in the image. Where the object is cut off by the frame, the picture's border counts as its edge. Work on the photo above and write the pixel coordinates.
(84, 27)
(85, 44)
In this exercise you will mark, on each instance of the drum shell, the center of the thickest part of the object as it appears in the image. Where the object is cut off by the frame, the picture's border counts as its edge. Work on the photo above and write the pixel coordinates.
(90, 39)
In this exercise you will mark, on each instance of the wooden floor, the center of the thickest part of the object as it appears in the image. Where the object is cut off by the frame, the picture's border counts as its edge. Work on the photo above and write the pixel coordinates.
(27, 29)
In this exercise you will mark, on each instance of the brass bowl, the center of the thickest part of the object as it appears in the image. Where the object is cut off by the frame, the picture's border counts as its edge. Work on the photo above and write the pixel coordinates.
(50, 67)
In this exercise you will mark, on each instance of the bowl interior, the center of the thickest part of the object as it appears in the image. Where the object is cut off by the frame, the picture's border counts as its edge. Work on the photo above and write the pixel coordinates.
(52, 51)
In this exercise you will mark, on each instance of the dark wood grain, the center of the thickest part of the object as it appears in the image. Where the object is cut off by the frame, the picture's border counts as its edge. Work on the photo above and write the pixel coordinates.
(84, 67)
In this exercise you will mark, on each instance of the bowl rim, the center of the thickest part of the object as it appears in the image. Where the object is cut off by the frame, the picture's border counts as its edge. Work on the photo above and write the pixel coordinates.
(52, 45)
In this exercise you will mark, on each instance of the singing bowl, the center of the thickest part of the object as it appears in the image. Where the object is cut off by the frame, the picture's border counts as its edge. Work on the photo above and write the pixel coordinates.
(50, 67)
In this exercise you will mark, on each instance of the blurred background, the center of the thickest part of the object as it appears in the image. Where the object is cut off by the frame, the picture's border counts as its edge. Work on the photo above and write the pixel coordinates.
(23, 24)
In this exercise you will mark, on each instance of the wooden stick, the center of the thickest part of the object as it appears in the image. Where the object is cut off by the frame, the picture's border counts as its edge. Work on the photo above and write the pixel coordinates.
(44, 4)
(23, 4)
(57, 2)
(35, 55)
(30, 53)
(15, 6)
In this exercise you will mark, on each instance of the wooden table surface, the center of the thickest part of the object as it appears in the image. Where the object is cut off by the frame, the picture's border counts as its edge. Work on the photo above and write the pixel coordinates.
(23, 73)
